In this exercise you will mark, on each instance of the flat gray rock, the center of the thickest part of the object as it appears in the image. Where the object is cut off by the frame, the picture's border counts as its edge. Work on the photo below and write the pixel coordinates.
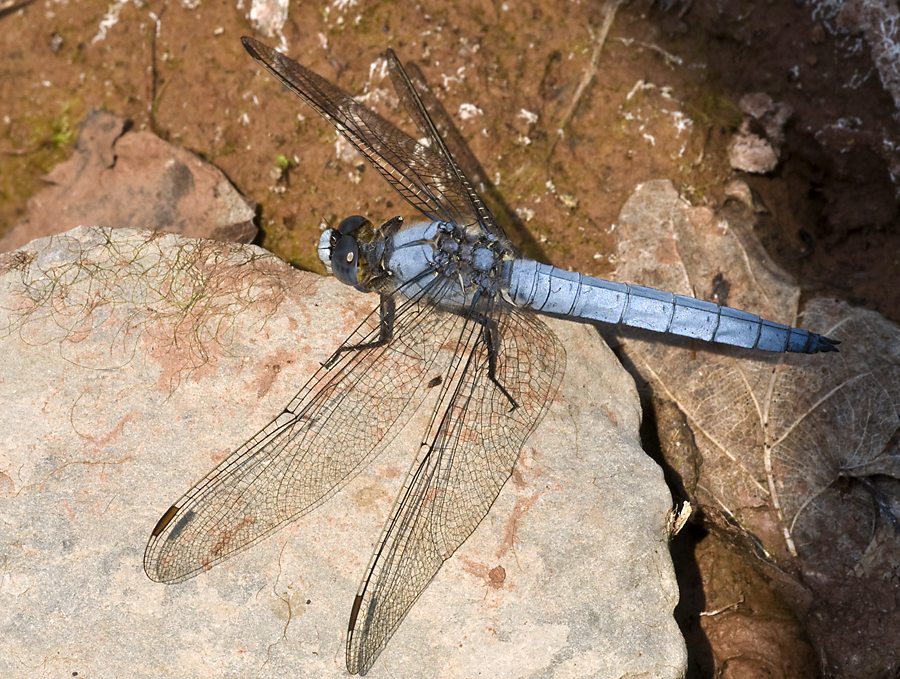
(136, 361)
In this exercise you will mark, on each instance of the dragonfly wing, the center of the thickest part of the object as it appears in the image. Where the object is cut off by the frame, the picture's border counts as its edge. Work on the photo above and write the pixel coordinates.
(452, 187)
(472, 446)
(341, 419)
(415, 171)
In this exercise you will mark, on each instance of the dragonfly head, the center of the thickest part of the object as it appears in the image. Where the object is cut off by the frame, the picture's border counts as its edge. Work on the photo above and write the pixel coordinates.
(339, 250)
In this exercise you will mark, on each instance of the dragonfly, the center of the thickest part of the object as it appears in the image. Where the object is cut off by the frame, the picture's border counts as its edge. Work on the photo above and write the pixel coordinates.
(456, 299)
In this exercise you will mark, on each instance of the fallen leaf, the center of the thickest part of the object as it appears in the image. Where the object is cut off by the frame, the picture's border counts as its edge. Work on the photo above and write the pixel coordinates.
(799, 455)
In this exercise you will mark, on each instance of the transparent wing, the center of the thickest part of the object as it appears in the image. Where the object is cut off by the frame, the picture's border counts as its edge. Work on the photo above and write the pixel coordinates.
(472, 171)
(425, 176)
(455, 188)
(471, 449)
(341, 419)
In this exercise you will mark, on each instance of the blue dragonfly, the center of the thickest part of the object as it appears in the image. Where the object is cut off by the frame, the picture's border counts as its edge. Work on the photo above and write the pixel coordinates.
(456, 299)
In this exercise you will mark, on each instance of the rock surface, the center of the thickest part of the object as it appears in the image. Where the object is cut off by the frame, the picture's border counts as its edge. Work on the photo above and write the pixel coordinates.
(756, 146)
(122, 178)
(143, 359)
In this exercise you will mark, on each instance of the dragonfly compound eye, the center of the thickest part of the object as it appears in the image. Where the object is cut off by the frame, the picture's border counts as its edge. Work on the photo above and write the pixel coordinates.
(351, 224)
(344, 260)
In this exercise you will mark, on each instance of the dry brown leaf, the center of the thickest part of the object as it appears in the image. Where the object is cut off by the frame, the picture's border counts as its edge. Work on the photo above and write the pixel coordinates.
(800, 453)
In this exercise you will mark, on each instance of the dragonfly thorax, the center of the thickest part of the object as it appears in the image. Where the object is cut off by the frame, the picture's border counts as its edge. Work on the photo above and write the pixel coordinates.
(473, 259)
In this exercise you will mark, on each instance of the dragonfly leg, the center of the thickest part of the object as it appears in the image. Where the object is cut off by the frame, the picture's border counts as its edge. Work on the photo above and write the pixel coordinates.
(389, 229)
(488, 331)
(387, 311)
